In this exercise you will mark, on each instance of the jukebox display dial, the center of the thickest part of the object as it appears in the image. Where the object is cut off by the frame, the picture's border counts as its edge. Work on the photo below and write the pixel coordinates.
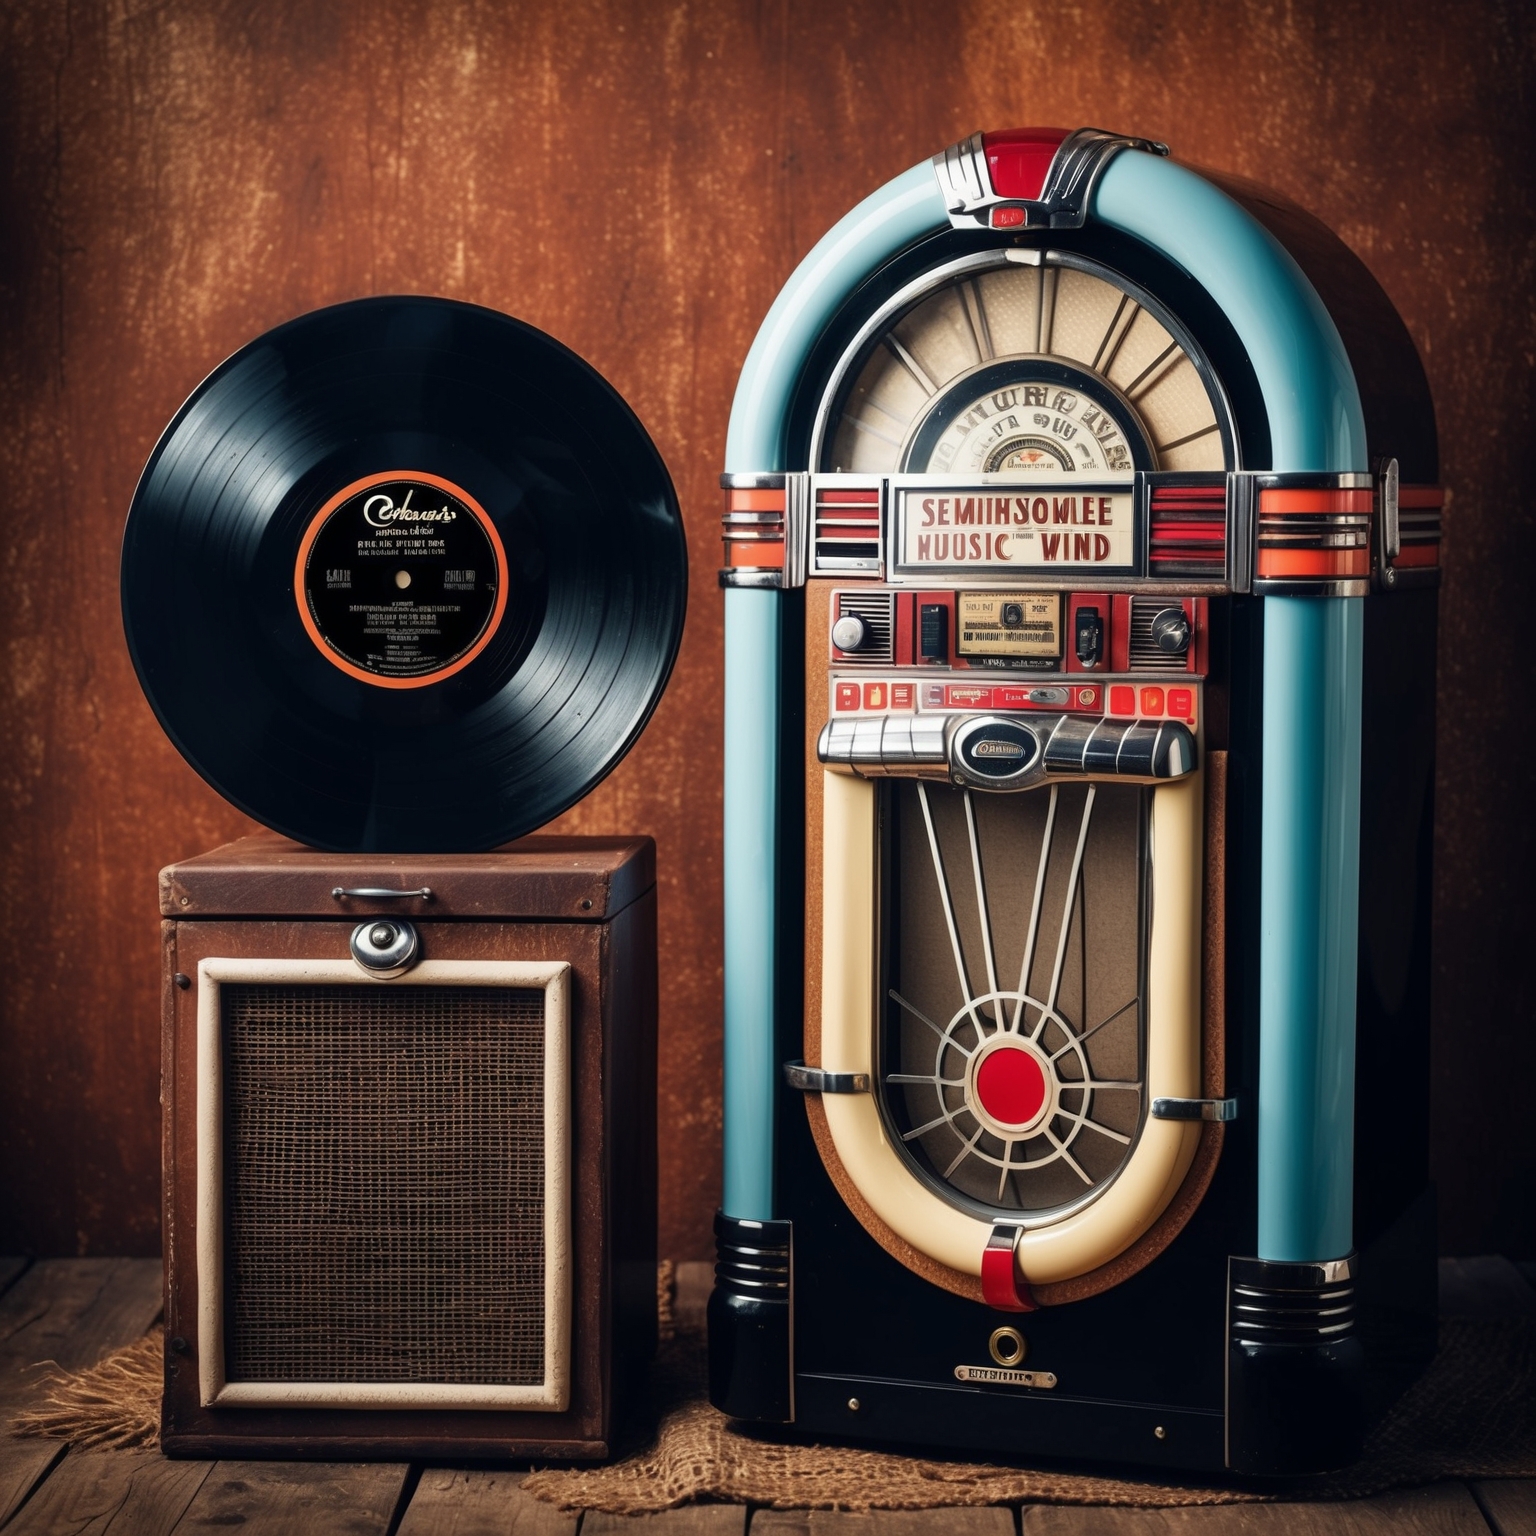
(1047, 365)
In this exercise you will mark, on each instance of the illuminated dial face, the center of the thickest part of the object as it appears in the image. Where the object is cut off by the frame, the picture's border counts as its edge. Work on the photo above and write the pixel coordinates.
(1020, 368)
(1023, 423)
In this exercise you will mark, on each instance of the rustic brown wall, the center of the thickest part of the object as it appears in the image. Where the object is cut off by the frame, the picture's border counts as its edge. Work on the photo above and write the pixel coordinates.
(638, 179)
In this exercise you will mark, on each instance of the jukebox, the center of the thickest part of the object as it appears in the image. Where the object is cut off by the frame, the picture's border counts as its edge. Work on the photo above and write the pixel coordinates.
(1082, 540)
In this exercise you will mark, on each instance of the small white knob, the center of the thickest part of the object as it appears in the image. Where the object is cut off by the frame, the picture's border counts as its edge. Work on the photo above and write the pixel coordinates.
(850, 632)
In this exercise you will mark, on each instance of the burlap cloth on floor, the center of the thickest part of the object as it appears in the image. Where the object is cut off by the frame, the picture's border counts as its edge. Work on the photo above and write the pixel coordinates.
(1473, 1414)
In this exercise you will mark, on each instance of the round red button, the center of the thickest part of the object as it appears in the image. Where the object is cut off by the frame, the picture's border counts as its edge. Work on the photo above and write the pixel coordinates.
(1011, 1085)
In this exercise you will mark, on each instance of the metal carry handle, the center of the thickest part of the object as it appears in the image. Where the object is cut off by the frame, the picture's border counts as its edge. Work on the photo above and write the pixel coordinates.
(378, 893)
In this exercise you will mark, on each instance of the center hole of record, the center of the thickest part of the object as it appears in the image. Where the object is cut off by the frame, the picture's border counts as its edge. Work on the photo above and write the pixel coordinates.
(402, 579)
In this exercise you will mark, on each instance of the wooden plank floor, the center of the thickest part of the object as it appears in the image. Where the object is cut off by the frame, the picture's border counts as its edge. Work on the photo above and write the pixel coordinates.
(74, 1311)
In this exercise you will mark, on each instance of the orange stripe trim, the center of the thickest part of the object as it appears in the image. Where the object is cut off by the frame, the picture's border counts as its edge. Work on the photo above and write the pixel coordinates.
(1315, 501)
(758, 556)
(1316, 563)
(755, 501)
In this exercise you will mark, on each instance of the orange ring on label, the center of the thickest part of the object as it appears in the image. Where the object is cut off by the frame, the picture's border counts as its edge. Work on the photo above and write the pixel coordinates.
(312, 532)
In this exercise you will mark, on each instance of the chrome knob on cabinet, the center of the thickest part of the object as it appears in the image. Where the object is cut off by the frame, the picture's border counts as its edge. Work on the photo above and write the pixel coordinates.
(850, 632)
(386, 946)
(1170, 631)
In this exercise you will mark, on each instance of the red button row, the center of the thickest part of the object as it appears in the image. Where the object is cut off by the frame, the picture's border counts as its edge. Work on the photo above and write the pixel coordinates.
(1179, 703)
(884, 696)
(880, 696)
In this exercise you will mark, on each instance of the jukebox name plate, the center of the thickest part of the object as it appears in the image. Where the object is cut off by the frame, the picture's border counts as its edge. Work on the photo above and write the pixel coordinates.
(1000, 1375)
(1091, 527)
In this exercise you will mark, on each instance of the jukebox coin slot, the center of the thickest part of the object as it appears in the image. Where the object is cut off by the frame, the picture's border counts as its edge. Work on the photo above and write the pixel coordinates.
(933, 626)
(1088, 631)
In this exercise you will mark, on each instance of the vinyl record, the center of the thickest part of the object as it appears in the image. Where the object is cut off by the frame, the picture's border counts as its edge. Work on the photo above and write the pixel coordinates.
(404, 575)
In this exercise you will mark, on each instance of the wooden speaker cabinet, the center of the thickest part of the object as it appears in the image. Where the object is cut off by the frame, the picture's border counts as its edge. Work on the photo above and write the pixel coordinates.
(409, 1148)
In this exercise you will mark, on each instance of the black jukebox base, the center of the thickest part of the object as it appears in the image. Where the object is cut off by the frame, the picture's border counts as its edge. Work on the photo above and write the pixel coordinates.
(813, 1325)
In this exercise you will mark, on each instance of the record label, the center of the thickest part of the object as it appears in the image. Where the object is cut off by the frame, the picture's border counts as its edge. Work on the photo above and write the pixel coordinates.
(401, 579)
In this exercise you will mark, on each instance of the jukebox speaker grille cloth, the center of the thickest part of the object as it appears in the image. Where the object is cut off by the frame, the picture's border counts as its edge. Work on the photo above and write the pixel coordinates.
(984, 889)
(384, 1184)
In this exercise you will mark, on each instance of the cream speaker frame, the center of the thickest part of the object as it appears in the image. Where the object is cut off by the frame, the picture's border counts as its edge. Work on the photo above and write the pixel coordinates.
(550, 1395)
(1048, 1250)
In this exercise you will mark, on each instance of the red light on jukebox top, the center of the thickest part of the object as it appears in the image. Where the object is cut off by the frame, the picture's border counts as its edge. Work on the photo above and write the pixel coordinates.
(1019, 158)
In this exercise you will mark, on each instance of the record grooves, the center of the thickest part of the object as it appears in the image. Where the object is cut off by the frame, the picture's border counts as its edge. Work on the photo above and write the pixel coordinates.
(404, 575)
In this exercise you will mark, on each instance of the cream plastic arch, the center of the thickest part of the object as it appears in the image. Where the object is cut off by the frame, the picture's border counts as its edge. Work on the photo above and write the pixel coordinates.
(1091, 1235)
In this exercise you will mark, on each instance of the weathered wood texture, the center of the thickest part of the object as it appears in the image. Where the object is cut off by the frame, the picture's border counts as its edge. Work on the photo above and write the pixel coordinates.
(692, 1520)
(1509, 1506)
(458, 1503)
(638, 177)
(70, 1313)
(1445, 1509)
(111, 1493)
(278, 1498)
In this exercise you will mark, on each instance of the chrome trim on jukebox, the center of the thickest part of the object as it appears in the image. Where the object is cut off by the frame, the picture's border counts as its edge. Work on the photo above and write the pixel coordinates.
(1219, 1110)
(1242, 521)
(969, 197)
(744, 481)
(947, 749)
(753, 530)
(797, 527)
(814, 1080)
(962, 174)
(1406, 546)
(1387, 510)
(844, 524)
(750, 577)
(1314, 534)
(1275, 1302)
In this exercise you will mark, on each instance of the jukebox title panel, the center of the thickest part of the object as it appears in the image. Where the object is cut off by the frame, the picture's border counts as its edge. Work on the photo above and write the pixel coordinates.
(1089, 527)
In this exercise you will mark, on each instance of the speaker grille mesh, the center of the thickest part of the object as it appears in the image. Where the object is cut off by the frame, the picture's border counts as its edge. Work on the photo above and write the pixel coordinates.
(384, 1184)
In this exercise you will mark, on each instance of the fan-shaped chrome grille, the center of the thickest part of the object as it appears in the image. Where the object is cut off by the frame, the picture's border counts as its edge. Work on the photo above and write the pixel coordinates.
(1011, 1064)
